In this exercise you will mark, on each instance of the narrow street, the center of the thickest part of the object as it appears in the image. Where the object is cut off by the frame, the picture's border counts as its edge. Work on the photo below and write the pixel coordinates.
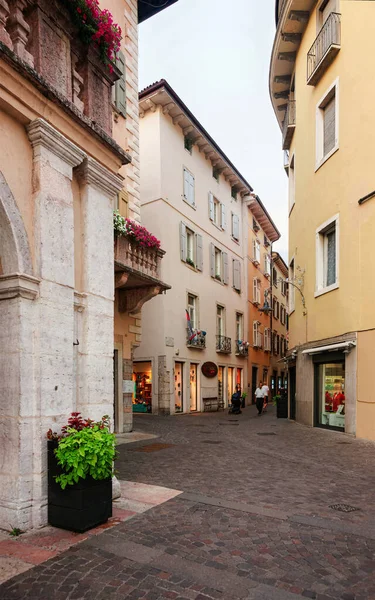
(253, 520)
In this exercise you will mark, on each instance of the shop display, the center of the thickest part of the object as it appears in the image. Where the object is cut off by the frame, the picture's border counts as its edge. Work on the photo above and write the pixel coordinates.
(332, 395)
(142, 399)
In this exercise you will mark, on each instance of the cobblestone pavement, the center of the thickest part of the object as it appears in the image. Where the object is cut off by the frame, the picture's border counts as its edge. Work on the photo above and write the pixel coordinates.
(253, 520)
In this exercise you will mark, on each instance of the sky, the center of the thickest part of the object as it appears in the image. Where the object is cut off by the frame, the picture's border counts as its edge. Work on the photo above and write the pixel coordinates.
(215, 54)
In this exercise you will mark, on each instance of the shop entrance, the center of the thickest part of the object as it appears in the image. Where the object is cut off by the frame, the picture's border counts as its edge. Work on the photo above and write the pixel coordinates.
(142, 377)
(330, 395)
(193, 387)
(230, 383)
(254, 383)
(220, 386)
(292, 392)
(178, 387)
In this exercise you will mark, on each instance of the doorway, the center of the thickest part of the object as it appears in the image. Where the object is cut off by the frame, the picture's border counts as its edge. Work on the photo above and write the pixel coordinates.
(230, 383)
(178, 387)
(292, 393)
(220, 387)
(254, 385)
(193, 387)
(142, 376)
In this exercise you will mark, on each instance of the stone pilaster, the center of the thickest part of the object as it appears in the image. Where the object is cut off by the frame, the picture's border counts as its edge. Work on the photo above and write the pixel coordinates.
(99, 187)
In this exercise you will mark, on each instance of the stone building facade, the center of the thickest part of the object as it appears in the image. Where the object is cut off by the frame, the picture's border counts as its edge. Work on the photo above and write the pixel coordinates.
(64, 167)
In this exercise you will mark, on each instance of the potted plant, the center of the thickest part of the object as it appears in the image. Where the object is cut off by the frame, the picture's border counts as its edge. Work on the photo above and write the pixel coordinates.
(80, 469)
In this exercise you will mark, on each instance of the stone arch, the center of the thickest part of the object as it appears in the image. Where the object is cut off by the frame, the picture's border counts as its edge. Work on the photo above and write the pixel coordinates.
(14, 244)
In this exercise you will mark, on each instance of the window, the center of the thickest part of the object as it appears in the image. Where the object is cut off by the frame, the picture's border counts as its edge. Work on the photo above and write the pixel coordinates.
(189, 187)
(216, 174)
(239, 326)
(237, 275)
(234, 193)
(274, 307)
(235, 227)
(327, 123)
(257, 337)
(274, 277)
(325, 9)
(191, 247)
(119, 89)
(327, 256)
(217, 212)
(256, 251)
(256, 291)
(267, 265)
(283, 286)
(192, 310)
(256, 227)
(282, 346)
(220, 320)
(188, 144)
(219, 265)
(267, 340)
(291, 288)
(282, 314)
(292, 184)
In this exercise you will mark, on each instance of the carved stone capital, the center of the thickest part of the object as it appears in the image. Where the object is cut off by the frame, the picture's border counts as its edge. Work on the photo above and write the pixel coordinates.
(18, 285)
(131, 301)
(93, 173)
(43, 135)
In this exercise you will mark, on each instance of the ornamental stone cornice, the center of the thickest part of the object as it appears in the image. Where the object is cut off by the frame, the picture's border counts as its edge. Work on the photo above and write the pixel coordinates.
(18, 285)
(93, 173)
(43, 135)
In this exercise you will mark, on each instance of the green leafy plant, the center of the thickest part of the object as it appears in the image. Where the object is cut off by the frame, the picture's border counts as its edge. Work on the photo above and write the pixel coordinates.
(15, 532)
(190, 262)
(85, 448)
(275, 399)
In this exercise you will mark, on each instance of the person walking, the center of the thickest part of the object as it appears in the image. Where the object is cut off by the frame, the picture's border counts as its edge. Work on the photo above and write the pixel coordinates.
(266, 391)
(259, 398)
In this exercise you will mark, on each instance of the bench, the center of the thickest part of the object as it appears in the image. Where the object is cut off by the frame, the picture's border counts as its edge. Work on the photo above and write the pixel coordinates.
(211, 404)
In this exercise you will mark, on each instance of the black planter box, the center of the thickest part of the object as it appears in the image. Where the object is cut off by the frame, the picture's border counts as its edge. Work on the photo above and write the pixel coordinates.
(282, 407)
(81, 506)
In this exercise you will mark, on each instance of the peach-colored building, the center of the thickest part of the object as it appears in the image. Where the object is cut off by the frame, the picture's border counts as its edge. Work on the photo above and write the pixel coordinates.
(196, 202)
(69, 155)
(279, 324)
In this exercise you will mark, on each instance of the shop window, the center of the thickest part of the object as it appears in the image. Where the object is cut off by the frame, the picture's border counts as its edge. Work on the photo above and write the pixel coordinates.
(178, 387)
(142, 377)
(330, 395)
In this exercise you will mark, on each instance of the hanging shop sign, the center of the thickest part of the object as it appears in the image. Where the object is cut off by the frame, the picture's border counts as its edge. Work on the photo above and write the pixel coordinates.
(209, 369)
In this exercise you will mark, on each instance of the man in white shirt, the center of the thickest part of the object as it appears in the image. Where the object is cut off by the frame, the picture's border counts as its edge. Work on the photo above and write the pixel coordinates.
(259, 398)
(266, 391)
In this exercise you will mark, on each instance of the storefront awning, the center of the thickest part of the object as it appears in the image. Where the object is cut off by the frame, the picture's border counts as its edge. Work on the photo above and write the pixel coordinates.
(331, 348)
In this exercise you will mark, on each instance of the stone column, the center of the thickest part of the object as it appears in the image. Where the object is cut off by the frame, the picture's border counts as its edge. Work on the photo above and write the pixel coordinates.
(54, 158)
(99, 187)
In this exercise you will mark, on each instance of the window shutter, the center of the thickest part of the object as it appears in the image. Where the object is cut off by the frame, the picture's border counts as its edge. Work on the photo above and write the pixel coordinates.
(237, 275)
(212, 260)
(236, 227)
(211, 206)
(223, 217)
(183, 241)
(191, 189)
(225, 268)
(186, 184)
(255, 290)
(199, 252)
(329, 126)
(258, 251)
(120, 86)
(255, 333)
(254, 250)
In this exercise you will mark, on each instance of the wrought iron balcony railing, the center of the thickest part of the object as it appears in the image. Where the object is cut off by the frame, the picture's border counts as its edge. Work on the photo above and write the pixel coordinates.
(197, 341)
(324, 49)
(289, 124)
(223, 344)
(242, 348)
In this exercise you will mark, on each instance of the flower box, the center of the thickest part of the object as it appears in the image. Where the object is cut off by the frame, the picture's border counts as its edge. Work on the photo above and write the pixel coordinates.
(78, 507)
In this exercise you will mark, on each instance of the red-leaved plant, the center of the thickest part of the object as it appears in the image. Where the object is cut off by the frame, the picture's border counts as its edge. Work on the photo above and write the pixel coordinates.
(77, 423)
(96, 27)
(134, 231)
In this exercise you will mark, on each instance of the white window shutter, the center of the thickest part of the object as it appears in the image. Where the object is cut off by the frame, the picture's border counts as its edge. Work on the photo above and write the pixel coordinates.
(199, 252)
(183, 242)
(255, 290)
(255, 333)
(237, 275)
(212, 260)
(254, 249)
(225, 268)
(258, 251)
(186, 184)
(191, 189)
(211, 206)
(223, 217)
(236, 227)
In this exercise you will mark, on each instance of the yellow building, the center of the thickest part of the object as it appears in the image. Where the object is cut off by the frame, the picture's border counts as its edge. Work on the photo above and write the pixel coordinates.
(322, 93)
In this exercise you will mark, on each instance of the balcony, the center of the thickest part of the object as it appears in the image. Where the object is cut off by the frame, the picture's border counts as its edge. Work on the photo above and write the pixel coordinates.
(324, 49)
(289, 124)
(198, 342)
(242, 348)
(223, 344)
(137, 274)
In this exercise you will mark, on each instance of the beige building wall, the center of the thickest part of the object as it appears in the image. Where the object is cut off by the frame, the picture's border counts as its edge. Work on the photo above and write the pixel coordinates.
(332, 188)
(163, 158)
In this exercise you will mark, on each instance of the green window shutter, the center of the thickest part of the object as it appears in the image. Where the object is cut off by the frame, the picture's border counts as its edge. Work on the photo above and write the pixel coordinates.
(121, 85)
